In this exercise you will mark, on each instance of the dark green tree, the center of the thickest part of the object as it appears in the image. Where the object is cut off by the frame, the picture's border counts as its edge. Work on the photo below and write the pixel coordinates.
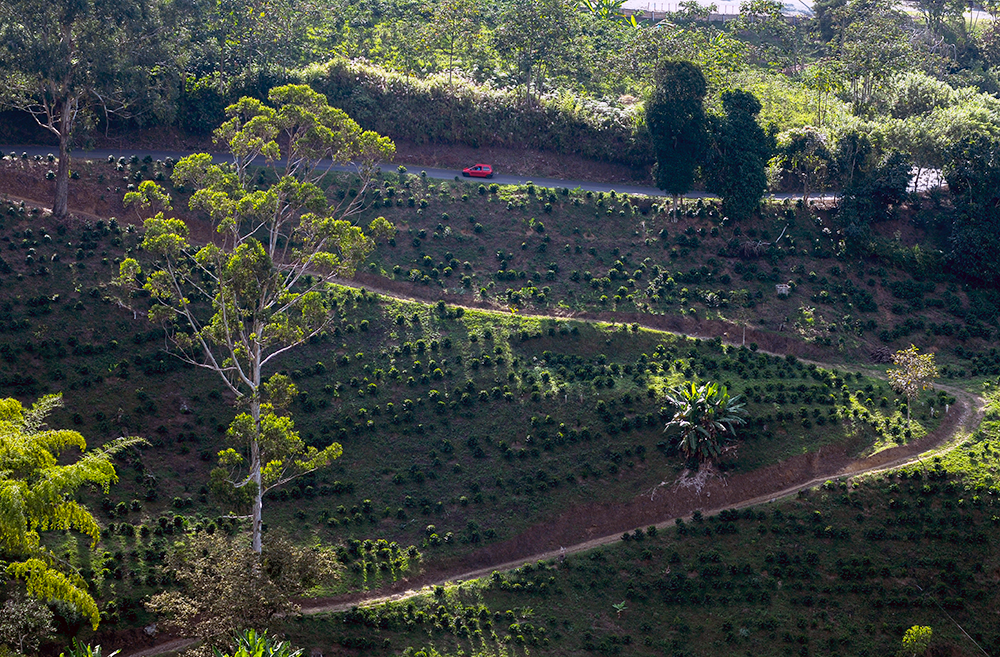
(737, 160)
(872, 183)
(675, 116)
(972, 170)
(68, 63)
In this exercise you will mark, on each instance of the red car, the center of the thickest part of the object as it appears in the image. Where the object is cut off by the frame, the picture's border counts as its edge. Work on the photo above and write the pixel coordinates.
(478, 171)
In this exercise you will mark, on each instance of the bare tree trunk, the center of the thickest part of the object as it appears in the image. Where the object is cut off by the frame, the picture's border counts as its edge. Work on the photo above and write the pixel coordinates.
(255, 466)
(60, 207)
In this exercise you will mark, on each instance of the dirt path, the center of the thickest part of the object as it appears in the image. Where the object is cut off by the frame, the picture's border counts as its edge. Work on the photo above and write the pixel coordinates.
(765, 485)
(174, 645)
(770, 484)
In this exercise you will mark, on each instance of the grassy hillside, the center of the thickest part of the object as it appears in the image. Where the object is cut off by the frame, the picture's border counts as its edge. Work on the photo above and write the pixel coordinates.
(460, 428)
(467, 430)
(560, 250)
(844, 568)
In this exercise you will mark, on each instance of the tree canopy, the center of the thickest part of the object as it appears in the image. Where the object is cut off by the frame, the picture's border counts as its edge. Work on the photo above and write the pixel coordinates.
(704, 420)
(36, 496)
(227, 587)
(266, 277)
(913, 373)
(675, 116)
(737, 162)
(69, 63)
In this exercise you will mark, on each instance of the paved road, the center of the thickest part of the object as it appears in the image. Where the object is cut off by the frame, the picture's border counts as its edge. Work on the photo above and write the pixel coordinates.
(930, 179)
(438, 174)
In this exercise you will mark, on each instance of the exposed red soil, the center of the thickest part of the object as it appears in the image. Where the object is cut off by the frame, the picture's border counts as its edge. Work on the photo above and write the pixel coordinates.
(25, 179)
(543, 164)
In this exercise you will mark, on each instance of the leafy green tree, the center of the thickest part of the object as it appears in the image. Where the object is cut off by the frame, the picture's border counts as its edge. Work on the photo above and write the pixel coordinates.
(913, 373)
(823, 78)
(875, 48)
(972, 171)
(266, 276)
(871, 184)
(532, 36)
(937, 12)
(25, 623)
(66, 62)
(227, 587)
(280, 449)
(675, 117)
(736, 167)
(704, 419)
(916, 641)
(37, 495)
(456, 23)
(804, 154)
(764, 19)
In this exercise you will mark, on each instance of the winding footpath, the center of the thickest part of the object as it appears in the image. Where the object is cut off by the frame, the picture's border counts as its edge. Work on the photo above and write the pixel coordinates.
(768, 484)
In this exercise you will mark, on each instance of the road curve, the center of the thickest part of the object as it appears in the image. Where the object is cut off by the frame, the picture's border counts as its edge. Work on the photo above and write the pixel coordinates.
(437, 174)
(965, 416)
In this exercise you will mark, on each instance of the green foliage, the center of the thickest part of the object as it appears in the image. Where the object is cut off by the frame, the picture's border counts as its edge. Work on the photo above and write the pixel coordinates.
(266, 281)
(704, 419)
(36, 495)
(279, 446)
(805, 154)
(228, 588)
(67, 62)
(737, 160)
(870, 186)
(81, 649)
(251, 643)
(973, 175)
(675, 116)
(393, 103)
(25, 623)
(916, 641)
(913, 374)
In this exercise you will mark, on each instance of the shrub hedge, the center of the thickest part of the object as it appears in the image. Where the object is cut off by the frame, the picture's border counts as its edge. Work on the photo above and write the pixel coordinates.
(432, 110)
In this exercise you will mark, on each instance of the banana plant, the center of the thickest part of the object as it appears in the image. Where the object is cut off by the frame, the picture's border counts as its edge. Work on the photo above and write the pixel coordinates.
(704, 419)
(608, 10)
(251, 643)
(80, 649)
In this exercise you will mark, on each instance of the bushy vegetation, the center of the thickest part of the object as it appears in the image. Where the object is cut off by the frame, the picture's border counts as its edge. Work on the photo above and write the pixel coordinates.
(462, 112)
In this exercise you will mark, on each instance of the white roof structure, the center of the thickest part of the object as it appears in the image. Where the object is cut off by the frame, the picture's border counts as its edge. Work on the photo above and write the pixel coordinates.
(725, 7)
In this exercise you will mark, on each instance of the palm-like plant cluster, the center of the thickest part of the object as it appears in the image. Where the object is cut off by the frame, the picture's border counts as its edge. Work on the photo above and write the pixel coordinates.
(251, 643)
(704, 419)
